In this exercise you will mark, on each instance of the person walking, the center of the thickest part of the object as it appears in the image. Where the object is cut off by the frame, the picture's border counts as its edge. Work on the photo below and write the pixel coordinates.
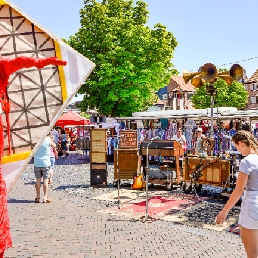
(55, 133)
(63, 141)
(42, 168)
(247, 183)
(53, 157)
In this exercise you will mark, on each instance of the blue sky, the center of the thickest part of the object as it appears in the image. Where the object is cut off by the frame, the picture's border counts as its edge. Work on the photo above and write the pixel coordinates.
(218, 32)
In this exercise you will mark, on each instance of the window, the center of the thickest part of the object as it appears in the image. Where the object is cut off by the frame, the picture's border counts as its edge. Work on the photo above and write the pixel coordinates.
(251, 87)
(246, 87)
(189, 95)
(253, 99)
(165, 96)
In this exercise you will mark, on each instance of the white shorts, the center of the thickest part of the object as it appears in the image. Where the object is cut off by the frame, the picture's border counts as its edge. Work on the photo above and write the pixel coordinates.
(248, 217)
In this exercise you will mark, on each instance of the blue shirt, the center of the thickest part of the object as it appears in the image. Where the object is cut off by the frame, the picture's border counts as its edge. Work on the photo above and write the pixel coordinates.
(42, 156)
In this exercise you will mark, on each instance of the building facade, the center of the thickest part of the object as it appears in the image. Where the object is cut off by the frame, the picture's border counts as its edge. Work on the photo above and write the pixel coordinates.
(251, 85)
(179, 94)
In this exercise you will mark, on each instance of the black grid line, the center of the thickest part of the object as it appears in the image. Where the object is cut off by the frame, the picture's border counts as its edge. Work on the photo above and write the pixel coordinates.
(42, 87)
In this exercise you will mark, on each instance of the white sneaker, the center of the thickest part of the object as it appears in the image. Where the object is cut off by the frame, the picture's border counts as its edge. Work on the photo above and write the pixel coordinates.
(63, 156)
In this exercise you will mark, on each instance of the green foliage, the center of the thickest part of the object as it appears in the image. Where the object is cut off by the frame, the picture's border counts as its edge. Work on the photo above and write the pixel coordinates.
(222, 69)
(84, 114)
(132, 60)
(227, 96)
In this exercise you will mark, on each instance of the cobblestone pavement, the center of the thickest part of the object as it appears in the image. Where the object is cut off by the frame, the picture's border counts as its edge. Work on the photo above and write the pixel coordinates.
(70, 226)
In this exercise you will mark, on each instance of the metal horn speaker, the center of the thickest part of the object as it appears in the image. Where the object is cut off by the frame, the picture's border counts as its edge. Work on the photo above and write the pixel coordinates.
(209, 72)
(197, 81)
(227, 78)
(189, 75)
(236, 72)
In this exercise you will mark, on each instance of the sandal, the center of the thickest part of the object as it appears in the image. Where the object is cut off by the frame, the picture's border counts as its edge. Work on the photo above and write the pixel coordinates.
(37, 200)
(50, 182)
(47, 200)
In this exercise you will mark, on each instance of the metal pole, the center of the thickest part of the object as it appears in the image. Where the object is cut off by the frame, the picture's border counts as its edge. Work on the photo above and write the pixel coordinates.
(147, 182)
(147, 187)
(118, 175)
(211, 91)
(212, 106)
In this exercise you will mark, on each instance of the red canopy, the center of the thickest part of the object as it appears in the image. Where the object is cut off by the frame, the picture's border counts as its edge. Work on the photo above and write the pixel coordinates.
(71, 118)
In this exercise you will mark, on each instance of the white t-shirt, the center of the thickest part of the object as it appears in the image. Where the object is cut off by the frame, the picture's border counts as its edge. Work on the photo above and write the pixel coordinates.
(181, 139)
(249, 166)
(199, 147)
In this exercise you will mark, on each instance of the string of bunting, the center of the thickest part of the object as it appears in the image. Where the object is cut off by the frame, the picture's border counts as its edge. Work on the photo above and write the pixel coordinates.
(233, 62)
(241, 61)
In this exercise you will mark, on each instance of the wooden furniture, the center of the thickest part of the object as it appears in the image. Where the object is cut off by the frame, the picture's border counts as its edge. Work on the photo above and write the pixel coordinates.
(98, 174)
(216, 174)
(98, 146)
(98, 157)
(126, 158)
(128, 163)
(165, 148)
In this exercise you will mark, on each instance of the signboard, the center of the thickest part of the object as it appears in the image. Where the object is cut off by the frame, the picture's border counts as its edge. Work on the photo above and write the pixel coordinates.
(128, 140)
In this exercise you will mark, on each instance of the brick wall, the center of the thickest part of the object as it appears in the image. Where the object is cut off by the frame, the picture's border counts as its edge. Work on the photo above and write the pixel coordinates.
(252, 88)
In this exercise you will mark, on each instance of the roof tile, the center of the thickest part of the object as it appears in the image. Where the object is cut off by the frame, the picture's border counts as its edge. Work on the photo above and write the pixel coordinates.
(254, 77)
(177, 83)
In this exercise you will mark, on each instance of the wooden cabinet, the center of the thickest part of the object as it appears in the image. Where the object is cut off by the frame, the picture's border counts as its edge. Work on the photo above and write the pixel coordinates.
(215, 174)
(98, 146)
(164, 148)
(128, 163)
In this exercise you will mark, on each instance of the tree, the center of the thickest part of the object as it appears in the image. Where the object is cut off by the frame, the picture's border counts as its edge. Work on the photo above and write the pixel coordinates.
(132, 60)
(227, 96)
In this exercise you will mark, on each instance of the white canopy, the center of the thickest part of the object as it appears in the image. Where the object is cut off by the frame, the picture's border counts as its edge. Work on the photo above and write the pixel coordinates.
(218, 113)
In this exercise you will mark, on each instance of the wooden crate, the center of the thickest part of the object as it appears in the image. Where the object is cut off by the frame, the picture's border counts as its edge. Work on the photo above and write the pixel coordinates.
(215, 174)
(98, 157)
(98, 146)
(128, 163)
(98, 134)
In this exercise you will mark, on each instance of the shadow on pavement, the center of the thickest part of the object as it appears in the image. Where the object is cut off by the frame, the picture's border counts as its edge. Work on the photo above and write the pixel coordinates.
(62, 187)
(20, 201)
(72, 158)
(30, 183)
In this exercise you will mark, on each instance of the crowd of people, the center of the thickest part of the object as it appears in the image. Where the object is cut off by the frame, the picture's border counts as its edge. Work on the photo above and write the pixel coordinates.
(68, 139)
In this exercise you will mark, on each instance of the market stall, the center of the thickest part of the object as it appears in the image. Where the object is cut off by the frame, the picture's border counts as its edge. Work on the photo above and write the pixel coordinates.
(213, 164)
(74, 119)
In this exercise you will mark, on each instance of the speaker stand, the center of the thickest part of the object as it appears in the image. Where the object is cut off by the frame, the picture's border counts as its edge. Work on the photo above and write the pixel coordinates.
(147, 217)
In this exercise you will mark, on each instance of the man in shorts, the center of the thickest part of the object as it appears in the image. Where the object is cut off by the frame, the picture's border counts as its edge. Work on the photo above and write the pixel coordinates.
(42, 168)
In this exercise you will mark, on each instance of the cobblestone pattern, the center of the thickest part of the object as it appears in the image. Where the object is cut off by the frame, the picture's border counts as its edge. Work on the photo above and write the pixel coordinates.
(71, 227)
